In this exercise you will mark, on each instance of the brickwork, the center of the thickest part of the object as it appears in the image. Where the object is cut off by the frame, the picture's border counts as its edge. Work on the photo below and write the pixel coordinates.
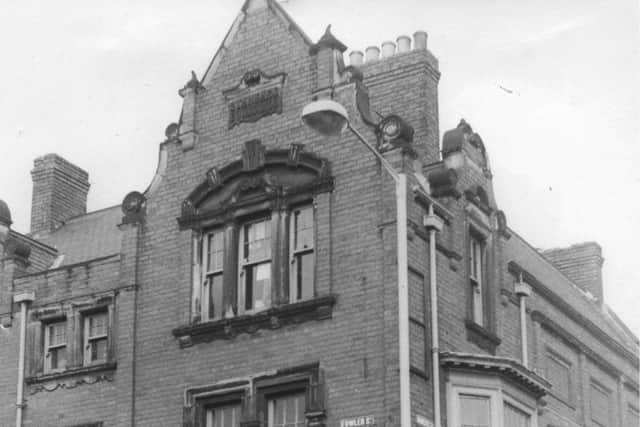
(582, 264)
(148, 287)
(59, 193)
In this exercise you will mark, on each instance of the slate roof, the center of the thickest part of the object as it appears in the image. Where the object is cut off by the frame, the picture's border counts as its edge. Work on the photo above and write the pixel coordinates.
(86, 237)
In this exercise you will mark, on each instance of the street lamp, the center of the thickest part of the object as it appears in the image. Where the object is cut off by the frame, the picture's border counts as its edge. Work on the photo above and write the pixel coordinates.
(330, 118)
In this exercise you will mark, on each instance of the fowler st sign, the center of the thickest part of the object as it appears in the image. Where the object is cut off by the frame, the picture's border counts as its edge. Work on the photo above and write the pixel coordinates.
(358, 422)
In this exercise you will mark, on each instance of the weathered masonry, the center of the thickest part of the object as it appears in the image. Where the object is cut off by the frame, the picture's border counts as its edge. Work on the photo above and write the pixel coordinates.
(255, 281)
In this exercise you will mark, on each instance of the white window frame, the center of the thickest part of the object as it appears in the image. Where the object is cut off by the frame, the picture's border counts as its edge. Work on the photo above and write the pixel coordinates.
(296, 253)
(210, 413)
(497, 397)
(271, 403)
(88, 339)
(245, 263)
(476, 277)
(206, 279)
(48, 346)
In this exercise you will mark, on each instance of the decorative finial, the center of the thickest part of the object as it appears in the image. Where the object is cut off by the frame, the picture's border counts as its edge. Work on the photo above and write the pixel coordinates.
(193, 84)
(328, 40)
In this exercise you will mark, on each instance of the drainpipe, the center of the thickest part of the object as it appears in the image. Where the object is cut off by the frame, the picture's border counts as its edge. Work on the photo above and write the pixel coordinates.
(434, 225)
(523, 290)
(23, 299)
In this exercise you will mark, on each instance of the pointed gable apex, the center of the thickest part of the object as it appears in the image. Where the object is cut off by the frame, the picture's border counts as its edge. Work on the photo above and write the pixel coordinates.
(249, 7)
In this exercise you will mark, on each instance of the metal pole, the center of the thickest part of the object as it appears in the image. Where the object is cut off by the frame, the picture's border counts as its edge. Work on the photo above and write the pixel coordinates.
(23, 300)
(403, 301)
(434, 225)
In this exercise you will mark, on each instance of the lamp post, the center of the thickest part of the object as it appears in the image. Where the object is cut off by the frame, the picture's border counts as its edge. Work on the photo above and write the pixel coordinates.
(330, 118)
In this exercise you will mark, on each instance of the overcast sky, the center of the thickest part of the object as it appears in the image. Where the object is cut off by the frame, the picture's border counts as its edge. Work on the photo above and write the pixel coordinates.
(551, 86)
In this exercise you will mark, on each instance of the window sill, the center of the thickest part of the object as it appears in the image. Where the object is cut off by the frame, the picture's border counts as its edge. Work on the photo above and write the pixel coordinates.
(318, 308)
(482, 337)
(81, 370)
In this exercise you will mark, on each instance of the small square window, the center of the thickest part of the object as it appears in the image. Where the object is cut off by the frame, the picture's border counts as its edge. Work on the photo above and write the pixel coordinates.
(96, 326)
(55, 346)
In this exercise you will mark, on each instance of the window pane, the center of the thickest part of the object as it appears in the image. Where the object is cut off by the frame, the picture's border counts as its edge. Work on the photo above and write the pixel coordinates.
(215, 249)
(262, 285)
(99, 349)
(303, 229)
(514, 417)
(58, 357)
(215, 296)
(97, 324)
(57, 333)
(288, 411)
(475, 411)
(478, 314)
(257, 240)
(223, 416)
(304, 275)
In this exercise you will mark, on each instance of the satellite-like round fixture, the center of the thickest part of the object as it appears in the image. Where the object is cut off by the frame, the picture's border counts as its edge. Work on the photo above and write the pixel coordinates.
(326, 116)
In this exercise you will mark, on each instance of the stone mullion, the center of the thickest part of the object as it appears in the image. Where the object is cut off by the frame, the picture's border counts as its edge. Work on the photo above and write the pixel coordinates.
(230, 273)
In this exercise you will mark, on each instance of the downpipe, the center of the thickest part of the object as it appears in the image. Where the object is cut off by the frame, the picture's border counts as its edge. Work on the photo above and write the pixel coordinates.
(23, 299)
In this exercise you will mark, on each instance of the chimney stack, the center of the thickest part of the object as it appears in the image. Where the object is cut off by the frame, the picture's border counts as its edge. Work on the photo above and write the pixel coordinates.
(582, 263)
(59, 192)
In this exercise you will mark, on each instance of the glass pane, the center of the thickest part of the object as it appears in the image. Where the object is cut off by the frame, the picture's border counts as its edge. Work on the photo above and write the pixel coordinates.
(475, 411)
(305, 275)
(98, 324)
(303, 237)
(288, 411)
(57, 333)
(58, 358)
(223, 416)
(99, 349)
(262, 285)
(215, 296)
(257, 240)
(478, 315)
(514, 417)
(215, 242)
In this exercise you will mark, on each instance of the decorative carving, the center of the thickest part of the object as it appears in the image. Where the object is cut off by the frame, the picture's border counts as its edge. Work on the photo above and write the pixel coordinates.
(394, 132)
(294, 154)
(274, 177)
(192, 85)
(252, 155)
(213, 178)
(256, 96)
(318, 308)
(133, 207)
(54, 382)
(502, 224)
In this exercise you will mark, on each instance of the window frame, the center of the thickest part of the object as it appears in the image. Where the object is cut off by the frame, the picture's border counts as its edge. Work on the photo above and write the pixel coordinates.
(271, 400)
(297, 289)
(207, 276)
(477, 277)
(245, 264)
(497, 399)
(594, 384)
(86, 338)
(209, 405)
(46, 325)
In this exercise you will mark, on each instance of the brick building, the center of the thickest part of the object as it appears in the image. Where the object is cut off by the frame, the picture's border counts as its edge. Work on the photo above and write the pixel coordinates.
(254, 282)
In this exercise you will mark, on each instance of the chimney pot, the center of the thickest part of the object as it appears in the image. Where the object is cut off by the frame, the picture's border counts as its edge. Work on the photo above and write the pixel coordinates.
(388, 49)
(372, 53)
(420, 40)
(404, 43)
(356, 58)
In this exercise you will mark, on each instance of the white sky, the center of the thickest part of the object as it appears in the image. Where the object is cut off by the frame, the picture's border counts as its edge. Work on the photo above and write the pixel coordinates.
(97, 83)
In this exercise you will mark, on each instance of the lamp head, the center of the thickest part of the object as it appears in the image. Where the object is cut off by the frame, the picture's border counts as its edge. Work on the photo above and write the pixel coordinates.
(326, 117)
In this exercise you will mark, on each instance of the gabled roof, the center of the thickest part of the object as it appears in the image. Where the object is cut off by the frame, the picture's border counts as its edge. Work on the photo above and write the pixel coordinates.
(229, 37)
(86, 237)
